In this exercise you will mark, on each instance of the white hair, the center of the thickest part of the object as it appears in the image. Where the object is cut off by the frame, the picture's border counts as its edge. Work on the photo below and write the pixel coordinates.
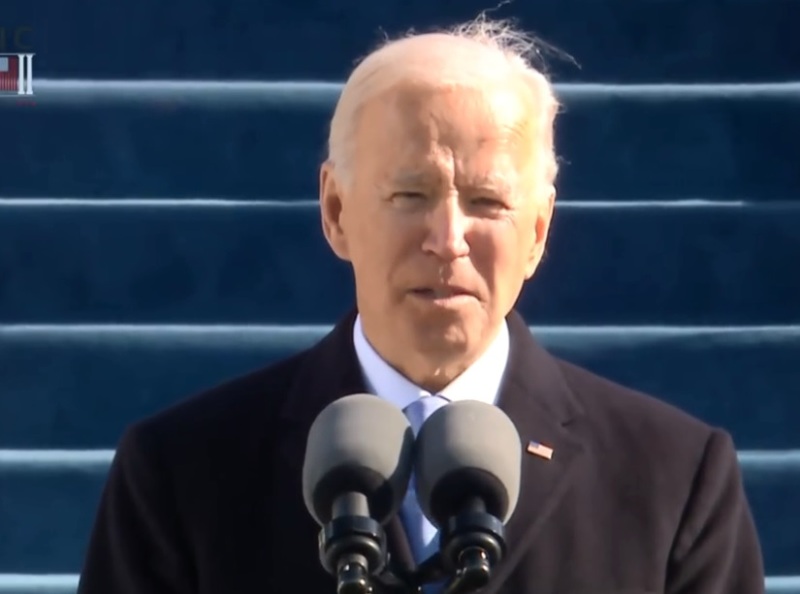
(476, 53)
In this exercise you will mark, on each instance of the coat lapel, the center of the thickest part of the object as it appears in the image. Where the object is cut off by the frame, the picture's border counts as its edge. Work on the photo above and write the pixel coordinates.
(537, 399)
(331, 371)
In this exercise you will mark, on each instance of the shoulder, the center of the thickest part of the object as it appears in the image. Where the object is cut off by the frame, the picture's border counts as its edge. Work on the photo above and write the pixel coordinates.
(663, 458)
(665, 468)
(637, 430)
(626, 409)
(219, 422)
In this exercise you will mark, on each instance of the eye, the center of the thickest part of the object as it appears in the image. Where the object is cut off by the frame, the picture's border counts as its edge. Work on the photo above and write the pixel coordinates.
(408, 199)
(488, 202)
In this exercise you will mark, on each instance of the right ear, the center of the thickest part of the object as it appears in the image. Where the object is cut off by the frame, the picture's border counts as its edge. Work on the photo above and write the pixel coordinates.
(330, 202)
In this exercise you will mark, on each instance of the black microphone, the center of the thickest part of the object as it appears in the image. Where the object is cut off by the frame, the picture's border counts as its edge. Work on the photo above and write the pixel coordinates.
(358, 462)
(468, 461)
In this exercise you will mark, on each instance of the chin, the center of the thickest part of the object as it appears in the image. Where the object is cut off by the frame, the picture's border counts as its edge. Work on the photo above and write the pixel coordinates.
(445, 336)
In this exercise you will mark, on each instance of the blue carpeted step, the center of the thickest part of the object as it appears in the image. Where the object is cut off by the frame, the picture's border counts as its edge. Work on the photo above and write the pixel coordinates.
(268, 262)
(78, 387)
(48, 502)
(67, 584)
(11, 583)
(643, 40)
(215, 139)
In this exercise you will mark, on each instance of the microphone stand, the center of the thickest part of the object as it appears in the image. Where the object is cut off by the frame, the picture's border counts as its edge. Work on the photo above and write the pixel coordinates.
(352, 545)
(353, 548)
(472, 543)
(472, 575)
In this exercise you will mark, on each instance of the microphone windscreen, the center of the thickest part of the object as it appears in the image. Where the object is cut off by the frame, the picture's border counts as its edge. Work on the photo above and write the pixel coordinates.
(358, 443)
(464, 450)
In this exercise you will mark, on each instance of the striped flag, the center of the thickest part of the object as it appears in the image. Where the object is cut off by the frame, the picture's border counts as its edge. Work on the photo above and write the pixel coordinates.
(9, 74)
(537, 449)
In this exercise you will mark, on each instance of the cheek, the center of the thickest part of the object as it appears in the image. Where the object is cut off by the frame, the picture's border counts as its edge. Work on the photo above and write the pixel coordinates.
(494, 253)
(384, 249)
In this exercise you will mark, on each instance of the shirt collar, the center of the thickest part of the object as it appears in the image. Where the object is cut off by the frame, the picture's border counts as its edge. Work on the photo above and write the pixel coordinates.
(481, 381)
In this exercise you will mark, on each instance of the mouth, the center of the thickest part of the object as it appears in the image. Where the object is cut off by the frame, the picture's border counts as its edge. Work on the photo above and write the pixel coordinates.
(442, 293)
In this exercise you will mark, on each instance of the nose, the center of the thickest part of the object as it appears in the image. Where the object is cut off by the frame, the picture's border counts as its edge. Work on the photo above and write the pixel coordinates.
(446, 231)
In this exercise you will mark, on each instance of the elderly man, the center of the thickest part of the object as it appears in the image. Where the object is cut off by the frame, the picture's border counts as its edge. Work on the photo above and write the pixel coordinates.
(439, 190)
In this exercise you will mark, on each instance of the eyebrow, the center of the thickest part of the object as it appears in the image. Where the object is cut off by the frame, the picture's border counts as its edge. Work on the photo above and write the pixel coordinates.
(487, 180)
(420, 178)
(413, 178)
(498, 183)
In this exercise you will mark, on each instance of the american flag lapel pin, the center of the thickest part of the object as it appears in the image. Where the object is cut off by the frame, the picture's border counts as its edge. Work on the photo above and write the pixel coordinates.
(538, 449)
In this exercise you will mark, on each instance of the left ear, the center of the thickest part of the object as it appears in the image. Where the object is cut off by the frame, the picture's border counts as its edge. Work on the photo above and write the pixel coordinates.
(543, 216)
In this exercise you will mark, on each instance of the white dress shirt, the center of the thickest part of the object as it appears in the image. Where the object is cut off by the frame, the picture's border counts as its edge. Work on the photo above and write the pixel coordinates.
(481, 381)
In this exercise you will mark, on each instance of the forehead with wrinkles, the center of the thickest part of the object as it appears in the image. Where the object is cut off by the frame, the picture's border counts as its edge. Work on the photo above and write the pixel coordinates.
(415, 135)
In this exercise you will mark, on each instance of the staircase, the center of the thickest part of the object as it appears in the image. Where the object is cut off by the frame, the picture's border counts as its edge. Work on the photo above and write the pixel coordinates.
(159, 234)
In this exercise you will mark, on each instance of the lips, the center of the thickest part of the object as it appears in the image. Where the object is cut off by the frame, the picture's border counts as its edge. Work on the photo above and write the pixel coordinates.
(442, 292)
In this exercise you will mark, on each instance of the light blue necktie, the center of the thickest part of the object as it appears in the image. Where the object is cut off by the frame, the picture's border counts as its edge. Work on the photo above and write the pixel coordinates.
(422, 535)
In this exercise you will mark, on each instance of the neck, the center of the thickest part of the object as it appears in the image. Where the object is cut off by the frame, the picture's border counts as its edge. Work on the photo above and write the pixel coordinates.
(432, 369)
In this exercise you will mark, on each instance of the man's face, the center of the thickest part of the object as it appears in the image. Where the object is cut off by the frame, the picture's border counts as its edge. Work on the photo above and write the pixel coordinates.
(445, 215)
